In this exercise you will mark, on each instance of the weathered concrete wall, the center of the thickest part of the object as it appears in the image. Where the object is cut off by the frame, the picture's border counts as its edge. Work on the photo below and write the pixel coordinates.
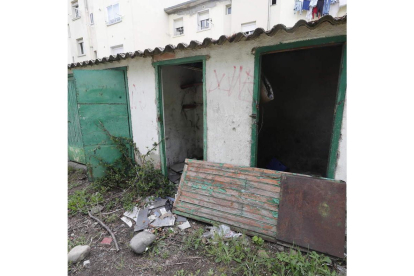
(340, 172)
(182, 127)
(229, 83)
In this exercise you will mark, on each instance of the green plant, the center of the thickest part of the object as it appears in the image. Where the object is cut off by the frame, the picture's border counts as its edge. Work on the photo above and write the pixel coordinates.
(111, 218)
(193, 240)
(210, 272)
(180, 273)
(258, 240)
(227, 251)
(81, 201)
(126, 173)
(120, 265)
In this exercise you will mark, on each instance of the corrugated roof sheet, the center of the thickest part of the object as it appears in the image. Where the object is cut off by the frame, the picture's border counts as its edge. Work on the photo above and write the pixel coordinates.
(194, 44)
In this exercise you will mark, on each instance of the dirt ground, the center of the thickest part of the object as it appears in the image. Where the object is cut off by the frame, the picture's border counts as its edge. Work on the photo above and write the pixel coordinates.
(166, 256)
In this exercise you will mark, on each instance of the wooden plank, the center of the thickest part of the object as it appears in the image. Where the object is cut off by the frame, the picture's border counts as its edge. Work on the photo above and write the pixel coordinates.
(231, 207)
(235, 228)
(243, 198)
(237, 175)
(234, 194)
(229, 182)
(226, 218)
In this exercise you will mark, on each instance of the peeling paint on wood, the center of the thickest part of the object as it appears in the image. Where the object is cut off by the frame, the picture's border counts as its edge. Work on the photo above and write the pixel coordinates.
(243, 198)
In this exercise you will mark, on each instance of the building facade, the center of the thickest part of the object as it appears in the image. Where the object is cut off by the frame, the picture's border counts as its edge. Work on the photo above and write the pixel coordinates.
(99, 28)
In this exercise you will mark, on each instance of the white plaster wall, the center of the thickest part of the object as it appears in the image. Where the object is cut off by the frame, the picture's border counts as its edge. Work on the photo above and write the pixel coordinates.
(340, 172)
(229, 84)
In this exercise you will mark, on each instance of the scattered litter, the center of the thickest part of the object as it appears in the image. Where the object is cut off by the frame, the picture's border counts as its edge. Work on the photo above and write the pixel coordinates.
(181, 219)
(167, 221)
(132, 214)
(127, 221)
(169, 204)
(163, 211)
(106, 240)
(142, 220)
(157, 203)
(87, 262)
(96, 209)
(185, 225)
(156, 213)
(223, 231)
(170, 198)
(167, 214)
(152, 217)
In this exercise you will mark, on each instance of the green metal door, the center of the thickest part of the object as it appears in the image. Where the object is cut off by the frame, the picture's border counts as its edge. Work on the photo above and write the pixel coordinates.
(75, 144)
(102, 98)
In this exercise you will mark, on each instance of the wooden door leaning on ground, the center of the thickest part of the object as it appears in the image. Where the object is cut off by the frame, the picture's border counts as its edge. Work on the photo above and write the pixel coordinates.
(102, 98)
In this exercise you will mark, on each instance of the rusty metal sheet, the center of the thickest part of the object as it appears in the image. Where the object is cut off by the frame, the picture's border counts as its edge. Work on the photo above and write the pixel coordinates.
(244, 198)
(312, 213)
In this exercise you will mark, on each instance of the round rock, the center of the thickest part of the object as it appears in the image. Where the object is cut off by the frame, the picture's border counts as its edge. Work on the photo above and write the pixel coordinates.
(140, 241)
(78, 253)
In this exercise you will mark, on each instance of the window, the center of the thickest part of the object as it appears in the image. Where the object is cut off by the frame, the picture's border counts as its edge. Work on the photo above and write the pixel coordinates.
(203, 20)
(81, 47)
(96, 54)
(178, 27)
(248, 28)
(91, 17)
(113, 14)
(273, 2)
(75, 10)
(119, 49)
(228, 9)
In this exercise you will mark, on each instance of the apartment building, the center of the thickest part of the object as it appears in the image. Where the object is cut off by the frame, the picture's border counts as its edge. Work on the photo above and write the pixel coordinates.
(99, 28)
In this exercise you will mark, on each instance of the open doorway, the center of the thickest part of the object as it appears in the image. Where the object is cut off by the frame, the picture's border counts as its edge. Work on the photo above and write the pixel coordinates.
(182, 103)
(297, 106)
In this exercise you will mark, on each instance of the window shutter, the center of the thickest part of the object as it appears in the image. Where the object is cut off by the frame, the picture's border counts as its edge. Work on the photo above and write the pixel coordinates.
(247, 27)
(203, 15)
(178, 23)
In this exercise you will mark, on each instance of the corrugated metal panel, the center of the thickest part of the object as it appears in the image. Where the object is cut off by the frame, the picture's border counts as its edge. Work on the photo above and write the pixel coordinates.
(244, 198)
(209, 41)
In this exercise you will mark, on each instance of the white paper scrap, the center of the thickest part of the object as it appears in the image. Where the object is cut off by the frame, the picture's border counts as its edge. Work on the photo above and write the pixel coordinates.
(185, 225)
(127, 221)
(163, 211)
(132, 214)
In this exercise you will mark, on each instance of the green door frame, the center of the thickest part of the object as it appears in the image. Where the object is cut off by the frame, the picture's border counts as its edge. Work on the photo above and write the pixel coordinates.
(340, 98)
(160, 107)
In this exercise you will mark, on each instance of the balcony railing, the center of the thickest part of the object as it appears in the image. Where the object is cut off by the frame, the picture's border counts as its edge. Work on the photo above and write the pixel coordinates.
(114, 20)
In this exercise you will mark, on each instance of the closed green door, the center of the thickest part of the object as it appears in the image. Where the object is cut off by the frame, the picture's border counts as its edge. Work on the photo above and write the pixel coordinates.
(75, 144)
(102, 98)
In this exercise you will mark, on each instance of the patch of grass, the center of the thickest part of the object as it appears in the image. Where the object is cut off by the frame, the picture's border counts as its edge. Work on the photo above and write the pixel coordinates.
(258, 240)
(193, 240)
(182, 272)
(120, 265)
(81, 240)
(112, 218)
(81, 201)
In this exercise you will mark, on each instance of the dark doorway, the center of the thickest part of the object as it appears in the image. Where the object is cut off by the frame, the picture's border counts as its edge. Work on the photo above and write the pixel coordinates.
(295, 127)
(182, 94)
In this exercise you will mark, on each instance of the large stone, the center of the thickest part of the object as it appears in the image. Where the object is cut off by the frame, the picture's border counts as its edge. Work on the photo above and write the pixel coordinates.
(140, 241)
(78, 253)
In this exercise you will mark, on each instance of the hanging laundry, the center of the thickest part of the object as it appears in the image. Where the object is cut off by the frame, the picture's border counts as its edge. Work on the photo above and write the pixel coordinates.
(298, 7)
(314, 11)
(320, 7)
(312, 4)
(334, 1)
(305, 5)
(342, 3)
(334, 8)
(326, 7)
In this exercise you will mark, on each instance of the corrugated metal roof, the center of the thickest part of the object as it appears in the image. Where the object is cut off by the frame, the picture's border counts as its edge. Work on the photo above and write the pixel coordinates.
(194, 44)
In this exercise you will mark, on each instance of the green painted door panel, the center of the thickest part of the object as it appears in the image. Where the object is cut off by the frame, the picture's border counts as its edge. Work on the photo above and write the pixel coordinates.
(75, 144)
(95, 154)
(113, 116)
(102, 98)
(100, 86)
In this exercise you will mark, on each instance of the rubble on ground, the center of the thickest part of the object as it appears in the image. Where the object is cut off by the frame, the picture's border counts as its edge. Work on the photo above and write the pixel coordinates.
(78, 253)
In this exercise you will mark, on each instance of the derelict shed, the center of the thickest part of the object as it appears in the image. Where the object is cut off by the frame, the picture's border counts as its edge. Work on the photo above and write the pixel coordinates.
(203, 100)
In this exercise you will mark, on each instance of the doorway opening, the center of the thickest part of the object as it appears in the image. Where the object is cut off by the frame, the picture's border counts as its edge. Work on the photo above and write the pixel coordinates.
(297, 106)
(183, 116)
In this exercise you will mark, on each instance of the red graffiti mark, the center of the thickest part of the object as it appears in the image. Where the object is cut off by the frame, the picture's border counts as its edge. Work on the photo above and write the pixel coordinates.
(217, 81)
(133, 85)
(238, 83)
